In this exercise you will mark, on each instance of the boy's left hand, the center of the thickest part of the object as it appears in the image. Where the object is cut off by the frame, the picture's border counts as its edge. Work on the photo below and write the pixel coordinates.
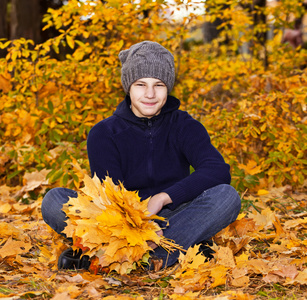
(157, 202)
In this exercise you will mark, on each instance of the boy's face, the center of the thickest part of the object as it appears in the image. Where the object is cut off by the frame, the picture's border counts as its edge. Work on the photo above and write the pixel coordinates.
(148, 96)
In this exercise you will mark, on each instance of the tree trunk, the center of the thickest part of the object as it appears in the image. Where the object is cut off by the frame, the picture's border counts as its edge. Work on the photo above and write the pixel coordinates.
(3, 19)
(25, 20)
(4, 34)
(260, 18)
(211, 30)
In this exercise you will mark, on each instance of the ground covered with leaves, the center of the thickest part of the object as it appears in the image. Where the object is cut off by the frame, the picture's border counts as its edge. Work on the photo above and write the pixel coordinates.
(253, 106)
(262, 255)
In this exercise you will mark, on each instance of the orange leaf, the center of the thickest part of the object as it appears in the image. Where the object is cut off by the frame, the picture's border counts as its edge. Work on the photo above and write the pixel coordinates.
(13, 248)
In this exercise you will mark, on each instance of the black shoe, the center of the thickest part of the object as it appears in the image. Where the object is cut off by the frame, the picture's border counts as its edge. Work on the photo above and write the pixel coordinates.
(205, 249)
(72, 260)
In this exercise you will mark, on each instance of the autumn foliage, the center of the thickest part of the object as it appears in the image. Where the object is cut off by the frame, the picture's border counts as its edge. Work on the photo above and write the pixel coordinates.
(112, 226)
(252, 104)
(254, 114)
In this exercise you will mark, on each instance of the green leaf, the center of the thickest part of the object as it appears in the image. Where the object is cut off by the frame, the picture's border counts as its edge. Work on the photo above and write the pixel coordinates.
(64, 180)
(50, 106)
(12, 175)
(57, 175)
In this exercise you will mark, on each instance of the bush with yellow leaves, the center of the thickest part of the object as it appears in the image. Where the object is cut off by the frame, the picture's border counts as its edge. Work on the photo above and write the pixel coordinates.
(255, 114)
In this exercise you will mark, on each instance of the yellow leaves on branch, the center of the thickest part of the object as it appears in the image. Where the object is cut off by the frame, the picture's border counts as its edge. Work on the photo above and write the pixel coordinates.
(5, 84)
(251, 168)
(111, 223)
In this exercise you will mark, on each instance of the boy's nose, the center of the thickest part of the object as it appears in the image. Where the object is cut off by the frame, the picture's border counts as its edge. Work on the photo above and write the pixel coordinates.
(150, 92)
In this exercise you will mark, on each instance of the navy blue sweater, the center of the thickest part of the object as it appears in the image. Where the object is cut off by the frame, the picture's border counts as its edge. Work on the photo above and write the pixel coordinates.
(154, 155)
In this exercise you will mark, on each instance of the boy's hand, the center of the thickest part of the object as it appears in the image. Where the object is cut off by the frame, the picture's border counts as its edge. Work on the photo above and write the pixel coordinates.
(157, 202)
(153, 245)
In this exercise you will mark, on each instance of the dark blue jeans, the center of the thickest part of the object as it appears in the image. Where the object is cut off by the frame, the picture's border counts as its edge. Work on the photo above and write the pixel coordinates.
(189, 224)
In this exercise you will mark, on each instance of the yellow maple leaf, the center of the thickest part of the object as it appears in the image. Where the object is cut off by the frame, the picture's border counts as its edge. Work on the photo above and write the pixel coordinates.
(112, 224)
(242, 259)
(264, 219)
(219, 273)
(251, 167)
(191, 259)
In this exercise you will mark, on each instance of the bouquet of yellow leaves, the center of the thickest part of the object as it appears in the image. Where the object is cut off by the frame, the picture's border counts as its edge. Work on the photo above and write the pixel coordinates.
(112, 225)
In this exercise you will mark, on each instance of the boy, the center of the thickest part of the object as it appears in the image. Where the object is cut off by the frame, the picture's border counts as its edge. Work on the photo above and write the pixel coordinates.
(149, 145)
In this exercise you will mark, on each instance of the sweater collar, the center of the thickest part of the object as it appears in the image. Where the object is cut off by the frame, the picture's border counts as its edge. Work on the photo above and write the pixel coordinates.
(124, 111)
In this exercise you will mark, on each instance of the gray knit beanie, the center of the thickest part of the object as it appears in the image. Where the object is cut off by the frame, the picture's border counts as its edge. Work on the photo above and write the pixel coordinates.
(147, 60)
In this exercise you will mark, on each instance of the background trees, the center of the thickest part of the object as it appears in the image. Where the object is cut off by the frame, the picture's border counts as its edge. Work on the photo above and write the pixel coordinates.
(23, 19)
(253, 111)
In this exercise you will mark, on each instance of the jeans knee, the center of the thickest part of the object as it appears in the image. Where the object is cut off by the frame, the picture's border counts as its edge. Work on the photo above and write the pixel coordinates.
(235, 196)
(231, 199)
(47, 204)
(235, 201)
(53, 201)
(52, 205)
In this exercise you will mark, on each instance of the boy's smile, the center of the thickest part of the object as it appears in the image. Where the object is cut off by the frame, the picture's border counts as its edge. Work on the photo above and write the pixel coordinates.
(148, 96)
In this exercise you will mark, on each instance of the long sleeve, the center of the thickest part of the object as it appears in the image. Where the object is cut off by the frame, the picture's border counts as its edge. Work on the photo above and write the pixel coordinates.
(104, 157)
(210, 167)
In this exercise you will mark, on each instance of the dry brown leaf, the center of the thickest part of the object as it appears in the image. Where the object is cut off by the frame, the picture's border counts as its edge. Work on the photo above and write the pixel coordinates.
(259, 266)
(62, 296)
(289, 271)
(76, 279)
(121, 297)
(225, 257)
(301, 278)
(35, 179)
(73, 290)
(186, 296)
(242, 281)
(297, 223)
(238, 295)
(157, 263)
(239, 272)
(13, 248)
(271, 278)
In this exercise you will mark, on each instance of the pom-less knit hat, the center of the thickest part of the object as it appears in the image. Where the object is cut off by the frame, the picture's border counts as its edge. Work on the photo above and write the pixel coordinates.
(147, 60)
